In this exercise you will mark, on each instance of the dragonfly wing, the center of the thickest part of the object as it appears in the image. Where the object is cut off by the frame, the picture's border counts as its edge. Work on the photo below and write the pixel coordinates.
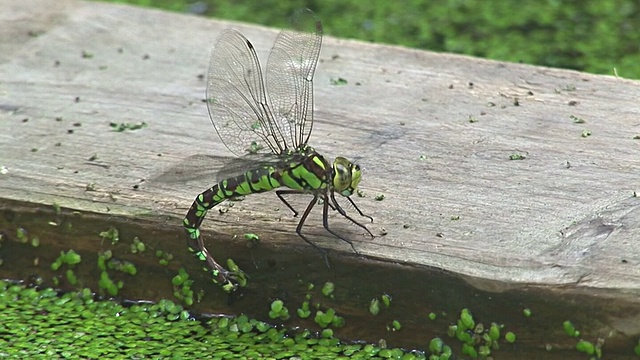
(236, 98)
(290, 70)
(239, 165)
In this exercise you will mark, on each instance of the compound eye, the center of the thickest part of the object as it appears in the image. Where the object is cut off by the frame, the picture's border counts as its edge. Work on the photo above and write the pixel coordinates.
(341, 175)
(344, 174)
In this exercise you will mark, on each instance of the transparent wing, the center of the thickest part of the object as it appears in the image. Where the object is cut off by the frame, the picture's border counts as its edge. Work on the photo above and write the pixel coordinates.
(290, 70)
(236, 98)
(247, 119)
(239, 165)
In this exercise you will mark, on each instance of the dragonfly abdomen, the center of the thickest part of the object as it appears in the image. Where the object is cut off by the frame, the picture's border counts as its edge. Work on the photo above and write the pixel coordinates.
(252, 181)
(304, 172)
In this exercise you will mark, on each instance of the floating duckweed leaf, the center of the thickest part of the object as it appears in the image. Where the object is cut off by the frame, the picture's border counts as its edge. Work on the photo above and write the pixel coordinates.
(327, 289)
(585, 347)
(374, 307)
(436, 345)
(510, 337)
(21, 234)
(386, 300)
(467, 319)
(494, 332)
(570, 329)
(304, 312)
(35, 241)
(112, 234)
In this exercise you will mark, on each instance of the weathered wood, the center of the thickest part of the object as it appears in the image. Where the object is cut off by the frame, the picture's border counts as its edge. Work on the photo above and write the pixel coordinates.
(433, 131)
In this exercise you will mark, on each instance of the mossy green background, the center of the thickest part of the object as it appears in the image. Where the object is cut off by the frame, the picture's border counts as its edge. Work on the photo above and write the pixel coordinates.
(588, 35)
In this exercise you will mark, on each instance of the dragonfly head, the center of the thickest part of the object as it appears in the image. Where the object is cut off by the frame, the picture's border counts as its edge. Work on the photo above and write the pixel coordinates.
(345, 176)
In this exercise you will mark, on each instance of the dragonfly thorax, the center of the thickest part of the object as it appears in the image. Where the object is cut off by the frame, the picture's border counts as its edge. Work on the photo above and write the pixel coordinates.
(345, 176)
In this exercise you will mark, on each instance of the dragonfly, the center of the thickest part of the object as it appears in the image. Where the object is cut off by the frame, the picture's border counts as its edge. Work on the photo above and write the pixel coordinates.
(266, 120)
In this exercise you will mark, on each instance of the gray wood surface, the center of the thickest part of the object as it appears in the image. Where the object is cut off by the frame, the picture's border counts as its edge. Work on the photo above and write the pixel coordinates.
(565, 215)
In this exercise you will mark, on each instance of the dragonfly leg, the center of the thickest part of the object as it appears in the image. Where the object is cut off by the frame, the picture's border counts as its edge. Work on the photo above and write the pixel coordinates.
(358, 209)
(301, 223)
(344, 213)
(325, 221)
(287, 192)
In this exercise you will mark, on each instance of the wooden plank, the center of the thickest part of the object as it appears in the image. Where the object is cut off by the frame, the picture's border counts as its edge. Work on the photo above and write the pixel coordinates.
(565, 215)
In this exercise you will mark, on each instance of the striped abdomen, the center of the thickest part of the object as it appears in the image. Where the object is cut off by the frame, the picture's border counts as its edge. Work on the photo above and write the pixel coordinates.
(305, 173)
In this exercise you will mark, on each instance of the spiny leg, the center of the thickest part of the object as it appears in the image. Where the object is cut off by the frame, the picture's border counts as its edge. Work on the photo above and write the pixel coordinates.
(339, 208)
(301, 223)
(325, 221)
(358, 209)
(287, 192)
(354, 206)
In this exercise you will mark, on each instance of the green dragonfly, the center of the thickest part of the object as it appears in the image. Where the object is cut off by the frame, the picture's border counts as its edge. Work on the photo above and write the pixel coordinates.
(266, 122)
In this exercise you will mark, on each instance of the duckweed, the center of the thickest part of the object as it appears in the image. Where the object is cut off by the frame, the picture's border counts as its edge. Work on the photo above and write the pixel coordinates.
(570, 329)
(182, 287)
(585, 347)
(21, 235)
(374, 307)
(251, 237)
(510, 337)
(137, 246)
(386, 300)
(278, 310)
(327, 289)
(494, 332)
(71, 277)
(324, 319)
(70, 258)
(105, 283)
(112, 234)
(35, 241)
(467, 319)
(395, 326)
(304, 312)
